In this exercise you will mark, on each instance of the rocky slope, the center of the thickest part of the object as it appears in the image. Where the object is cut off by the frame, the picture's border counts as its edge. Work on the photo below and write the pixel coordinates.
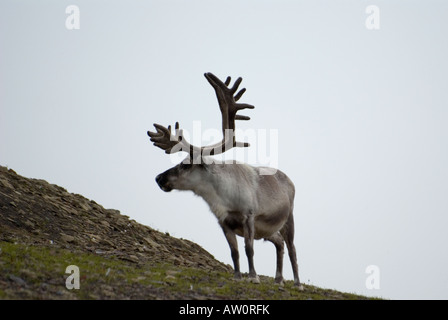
(44, 228)
(37, 212)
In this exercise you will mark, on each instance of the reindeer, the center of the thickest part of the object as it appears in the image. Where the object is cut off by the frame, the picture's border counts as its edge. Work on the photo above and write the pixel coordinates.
(245, 202)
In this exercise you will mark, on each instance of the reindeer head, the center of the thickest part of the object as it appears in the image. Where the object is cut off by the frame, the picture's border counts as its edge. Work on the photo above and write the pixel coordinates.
(190, 172)
(184, 176)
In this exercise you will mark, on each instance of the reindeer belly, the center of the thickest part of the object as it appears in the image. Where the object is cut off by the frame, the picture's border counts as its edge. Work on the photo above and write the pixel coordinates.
(265, 224)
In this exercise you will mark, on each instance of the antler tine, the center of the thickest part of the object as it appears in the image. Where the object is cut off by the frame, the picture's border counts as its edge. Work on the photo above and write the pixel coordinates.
(163, 138)
(236, 85)
(239, 94)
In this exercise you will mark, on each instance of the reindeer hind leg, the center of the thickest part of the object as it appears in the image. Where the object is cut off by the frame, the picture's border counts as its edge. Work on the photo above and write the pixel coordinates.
(288, 234)
(278, 242)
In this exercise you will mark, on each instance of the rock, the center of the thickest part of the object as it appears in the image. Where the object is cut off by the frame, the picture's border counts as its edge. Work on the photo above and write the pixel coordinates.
(105, 223)
(29, 223)
(108, 291)
(140, 278)
(67, 238)
(170, 278)
(84, 206)
(151, 242)
(19, 281)
(6, 183)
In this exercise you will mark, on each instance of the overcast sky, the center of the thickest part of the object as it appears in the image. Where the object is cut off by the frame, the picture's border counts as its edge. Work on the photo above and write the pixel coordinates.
(358, 116)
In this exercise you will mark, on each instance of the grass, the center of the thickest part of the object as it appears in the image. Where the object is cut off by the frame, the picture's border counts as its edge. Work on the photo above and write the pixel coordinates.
(38, 272)
(43, 271)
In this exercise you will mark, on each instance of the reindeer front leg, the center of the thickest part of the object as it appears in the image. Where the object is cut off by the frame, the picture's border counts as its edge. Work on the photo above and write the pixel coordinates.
(233, 244)
(249, 233)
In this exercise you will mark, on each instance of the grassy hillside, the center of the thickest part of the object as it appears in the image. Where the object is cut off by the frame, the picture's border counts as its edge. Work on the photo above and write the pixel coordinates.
(44, 229)
(39, 272)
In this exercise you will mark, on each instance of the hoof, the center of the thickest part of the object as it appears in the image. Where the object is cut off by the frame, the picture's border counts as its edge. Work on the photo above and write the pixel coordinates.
(255, 279)
(237, 276)
(280, 281)
(299, 287)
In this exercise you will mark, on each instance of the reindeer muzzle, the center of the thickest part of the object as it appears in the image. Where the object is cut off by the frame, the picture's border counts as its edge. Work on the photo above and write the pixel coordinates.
(163, 183)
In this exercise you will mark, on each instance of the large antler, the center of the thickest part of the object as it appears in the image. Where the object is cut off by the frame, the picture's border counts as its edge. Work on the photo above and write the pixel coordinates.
(227, 102)
(164, 139)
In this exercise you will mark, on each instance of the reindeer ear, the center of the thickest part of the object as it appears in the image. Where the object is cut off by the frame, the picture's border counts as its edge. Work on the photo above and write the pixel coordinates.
(205, 161)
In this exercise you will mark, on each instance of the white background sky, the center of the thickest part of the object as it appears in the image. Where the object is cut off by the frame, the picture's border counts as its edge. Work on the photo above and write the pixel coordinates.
(361, 118)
